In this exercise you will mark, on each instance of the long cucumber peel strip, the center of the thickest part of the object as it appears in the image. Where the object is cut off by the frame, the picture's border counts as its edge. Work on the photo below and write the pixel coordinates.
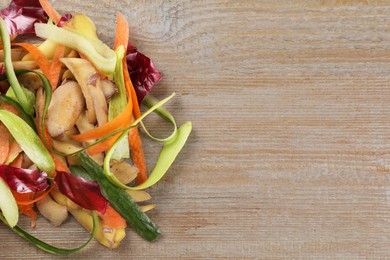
(150, 101)
(49, 248)
(8, 205)
(26, 102)
(96, 51)
(28, 140)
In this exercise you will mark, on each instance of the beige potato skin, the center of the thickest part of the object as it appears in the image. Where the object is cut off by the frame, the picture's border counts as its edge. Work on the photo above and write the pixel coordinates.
(53, 211)
(83, 71)
(65, 108)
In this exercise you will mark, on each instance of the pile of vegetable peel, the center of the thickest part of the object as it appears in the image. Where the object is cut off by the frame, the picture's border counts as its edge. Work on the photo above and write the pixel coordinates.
(71, 127)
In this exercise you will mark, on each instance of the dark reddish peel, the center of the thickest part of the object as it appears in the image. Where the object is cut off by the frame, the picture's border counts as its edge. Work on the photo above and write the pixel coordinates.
(21, 15)
(84, 193)
(24, 180)
(144, 75)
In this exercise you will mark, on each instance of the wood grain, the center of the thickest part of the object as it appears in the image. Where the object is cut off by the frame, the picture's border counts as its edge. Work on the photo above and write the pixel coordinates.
(290, 154)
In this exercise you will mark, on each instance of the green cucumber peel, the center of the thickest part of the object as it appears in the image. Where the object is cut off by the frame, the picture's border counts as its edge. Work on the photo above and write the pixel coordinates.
(49, 248)
(28, 140)
(95, 50)
(8, 205)
(81, 172)
(149, 101)
(25, 101)
(120, 200)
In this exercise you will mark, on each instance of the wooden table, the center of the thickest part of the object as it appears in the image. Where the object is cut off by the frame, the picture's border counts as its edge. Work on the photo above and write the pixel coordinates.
(290, 152)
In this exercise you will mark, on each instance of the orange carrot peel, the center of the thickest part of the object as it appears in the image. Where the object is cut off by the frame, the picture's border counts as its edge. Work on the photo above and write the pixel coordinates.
(50, 11)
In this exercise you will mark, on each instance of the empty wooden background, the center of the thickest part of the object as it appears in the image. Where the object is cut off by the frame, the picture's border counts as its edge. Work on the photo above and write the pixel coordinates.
(290, 153)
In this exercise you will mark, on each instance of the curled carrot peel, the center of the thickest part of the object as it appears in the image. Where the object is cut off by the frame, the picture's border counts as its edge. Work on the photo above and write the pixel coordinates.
(131, 90)
(122, 38)
(55, 68)
(102, 130)
(111, 218)
(137, 155)
(121, 31)
(135, 142)
(50, 70)
(50, 11)
(59, 165)
(136, 150)
(37, 55)
(103, 146)
(26, 209)
(4, 143)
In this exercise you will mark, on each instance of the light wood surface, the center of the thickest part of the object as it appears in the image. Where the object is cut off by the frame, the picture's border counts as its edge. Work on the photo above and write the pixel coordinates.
(290, 153)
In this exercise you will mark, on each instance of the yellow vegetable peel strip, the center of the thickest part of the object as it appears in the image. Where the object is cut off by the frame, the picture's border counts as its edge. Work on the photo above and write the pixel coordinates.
(150, 101)
(102, 57)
